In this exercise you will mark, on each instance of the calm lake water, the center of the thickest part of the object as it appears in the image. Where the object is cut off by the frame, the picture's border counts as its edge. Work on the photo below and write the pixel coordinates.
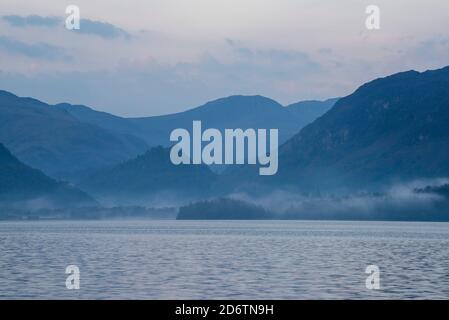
(223, 259)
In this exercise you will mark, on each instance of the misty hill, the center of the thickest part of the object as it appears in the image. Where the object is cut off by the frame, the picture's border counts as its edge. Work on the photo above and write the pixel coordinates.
(148, 176)
(222, 209)
(420, 206)
(231, 112)
(442, 190)
(20, 184)
(56, 142)
(391, 129)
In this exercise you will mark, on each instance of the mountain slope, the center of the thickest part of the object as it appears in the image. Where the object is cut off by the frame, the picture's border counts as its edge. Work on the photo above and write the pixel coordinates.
(101, 119)
(57, 143)
(145, 177)
(391, 129)
(20, 184)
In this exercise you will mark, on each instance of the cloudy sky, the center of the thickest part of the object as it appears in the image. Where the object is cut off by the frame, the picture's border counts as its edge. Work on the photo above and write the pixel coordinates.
(151, 57)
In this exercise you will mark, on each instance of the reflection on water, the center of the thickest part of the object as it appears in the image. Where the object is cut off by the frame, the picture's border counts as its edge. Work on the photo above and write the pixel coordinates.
(223, 259)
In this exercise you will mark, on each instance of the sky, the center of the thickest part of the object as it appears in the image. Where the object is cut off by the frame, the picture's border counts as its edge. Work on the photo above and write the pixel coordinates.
(151, 57)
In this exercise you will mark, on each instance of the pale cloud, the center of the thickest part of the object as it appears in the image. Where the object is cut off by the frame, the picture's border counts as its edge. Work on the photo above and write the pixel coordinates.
(102, 29)
(87, 26)
(36, 50)
(32, 21)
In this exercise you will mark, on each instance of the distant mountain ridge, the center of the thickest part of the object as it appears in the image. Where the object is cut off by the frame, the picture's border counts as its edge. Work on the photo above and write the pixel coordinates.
(71, 142)
(230, 112)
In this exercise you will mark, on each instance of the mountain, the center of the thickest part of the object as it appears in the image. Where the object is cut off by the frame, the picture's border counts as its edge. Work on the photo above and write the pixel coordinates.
(150, 177)
(231, 112)
(72, 141)
(389, 130)
(56, 142)
(20, 184)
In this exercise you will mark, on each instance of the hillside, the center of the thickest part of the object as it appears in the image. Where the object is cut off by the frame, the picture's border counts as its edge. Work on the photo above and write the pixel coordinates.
(390, 130)
(145, 178)
(21, 186)
(57, 143)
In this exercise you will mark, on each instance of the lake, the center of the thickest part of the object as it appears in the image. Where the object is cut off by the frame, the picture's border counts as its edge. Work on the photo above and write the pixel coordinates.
(168, 259)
